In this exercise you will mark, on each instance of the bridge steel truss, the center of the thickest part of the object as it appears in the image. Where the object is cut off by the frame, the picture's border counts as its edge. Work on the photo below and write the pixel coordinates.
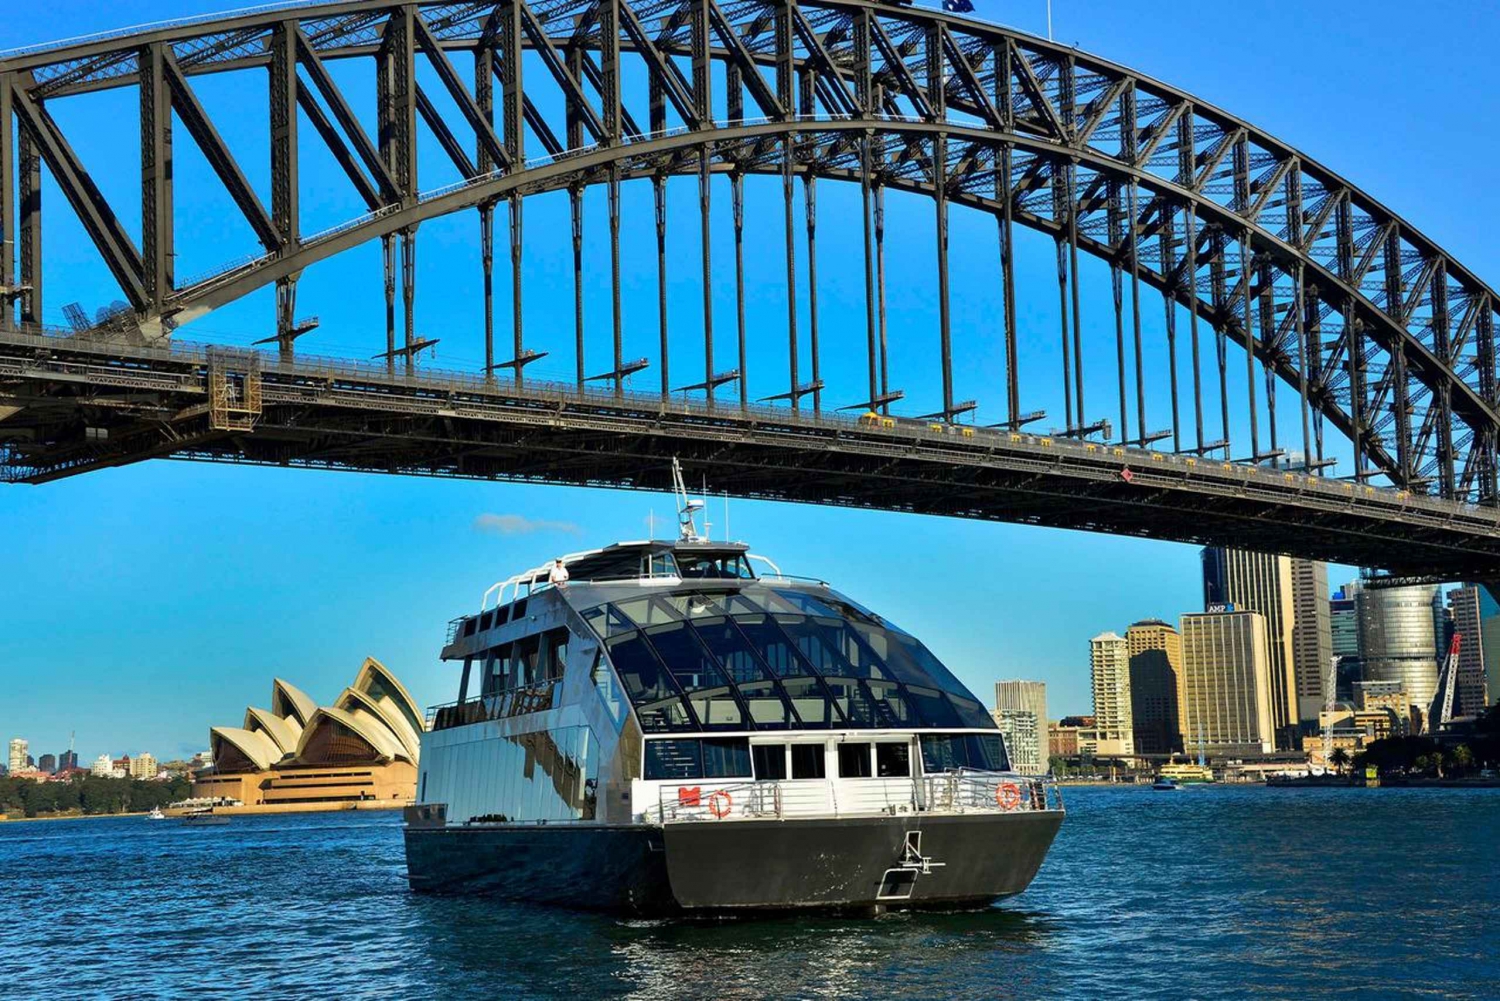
(1381, 335)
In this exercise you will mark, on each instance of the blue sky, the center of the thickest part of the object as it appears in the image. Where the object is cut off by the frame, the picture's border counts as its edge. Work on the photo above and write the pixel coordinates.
(138, 606)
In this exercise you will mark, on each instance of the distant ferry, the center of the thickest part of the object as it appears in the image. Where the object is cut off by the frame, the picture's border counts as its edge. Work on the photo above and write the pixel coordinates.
(653, 727)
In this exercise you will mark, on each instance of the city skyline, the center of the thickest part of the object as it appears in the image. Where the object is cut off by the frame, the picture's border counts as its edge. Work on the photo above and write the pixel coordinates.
(401, 558)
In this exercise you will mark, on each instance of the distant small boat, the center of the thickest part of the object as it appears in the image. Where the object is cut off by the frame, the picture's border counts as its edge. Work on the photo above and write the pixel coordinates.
(204, 819)
(1164, 784)
(156, 814)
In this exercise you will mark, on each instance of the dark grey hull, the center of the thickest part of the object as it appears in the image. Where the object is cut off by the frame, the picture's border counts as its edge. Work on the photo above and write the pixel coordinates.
(741, 865)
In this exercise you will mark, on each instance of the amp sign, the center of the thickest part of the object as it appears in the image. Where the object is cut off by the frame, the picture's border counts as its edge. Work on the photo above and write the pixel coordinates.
(1219, 607)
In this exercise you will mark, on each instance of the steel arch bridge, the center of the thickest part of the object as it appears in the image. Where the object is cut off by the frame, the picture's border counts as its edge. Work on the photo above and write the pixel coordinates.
(1386, 343)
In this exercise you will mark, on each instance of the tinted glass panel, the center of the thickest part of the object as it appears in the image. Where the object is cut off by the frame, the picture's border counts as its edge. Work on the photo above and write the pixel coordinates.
(770, 761)
(607, 621)
(673, 759)
(650, 610)
(808, 761)
(774, 646)
(933, 707)
(854, 761)
(892, 761)
(948, 752)
(812, 702)
(698, 674)
(647, 684)
(726, 757)
(972, 713)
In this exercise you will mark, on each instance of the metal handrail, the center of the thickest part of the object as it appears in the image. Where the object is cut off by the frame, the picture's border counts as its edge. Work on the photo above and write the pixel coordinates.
(963, 791)
(534, 697)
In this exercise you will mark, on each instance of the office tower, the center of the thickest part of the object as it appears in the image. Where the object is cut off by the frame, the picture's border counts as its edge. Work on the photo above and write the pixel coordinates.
(66, 760)
(1155, 687)
(1312, 637)
(1234, 579)
(1468, 605)
(1397, 641)
(18, 747)
(1109, 666)
(1023, 740)
(1343, 622)
(1028, 697)
(1226, 679)
(48, 764)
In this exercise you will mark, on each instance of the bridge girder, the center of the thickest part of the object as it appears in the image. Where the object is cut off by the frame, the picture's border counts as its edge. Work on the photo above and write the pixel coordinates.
(1379, 331)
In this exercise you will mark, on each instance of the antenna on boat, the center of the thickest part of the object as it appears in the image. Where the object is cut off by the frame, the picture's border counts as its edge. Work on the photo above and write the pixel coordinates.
(650, 523)
(687, 508)
(727, 536)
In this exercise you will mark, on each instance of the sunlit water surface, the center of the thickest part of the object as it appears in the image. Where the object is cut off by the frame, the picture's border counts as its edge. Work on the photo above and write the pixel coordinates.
(1209, 893)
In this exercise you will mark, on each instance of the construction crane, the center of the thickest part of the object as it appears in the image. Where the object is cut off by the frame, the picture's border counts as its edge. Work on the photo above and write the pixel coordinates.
(1441, 713)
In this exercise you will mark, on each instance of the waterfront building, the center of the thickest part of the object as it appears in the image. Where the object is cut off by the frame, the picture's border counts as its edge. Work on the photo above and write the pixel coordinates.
(103, 766)
(1155, 649)
(143, 766)
(1226, 673)
(1062, 741)
(1397, 639)
(1023, 740)
(362, 747)
(1312, 637)
(17, 760)
(48, 764)
(1109, 666)
(1024, 697)
(1238, 580)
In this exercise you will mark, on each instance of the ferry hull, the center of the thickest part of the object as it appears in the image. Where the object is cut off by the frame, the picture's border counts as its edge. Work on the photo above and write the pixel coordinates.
(742, 865)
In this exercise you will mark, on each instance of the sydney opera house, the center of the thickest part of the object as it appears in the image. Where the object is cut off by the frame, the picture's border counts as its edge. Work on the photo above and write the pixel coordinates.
(298, 755)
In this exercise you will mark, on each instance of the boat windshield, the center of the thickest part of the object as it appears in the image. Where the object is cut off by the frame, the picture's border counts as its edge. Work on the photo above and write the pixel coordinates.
(757, 657)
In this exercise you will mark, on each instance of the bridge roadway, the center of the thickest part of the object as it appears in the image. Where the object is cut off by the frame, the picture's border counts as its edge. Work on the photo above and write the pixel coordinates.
(71, 404)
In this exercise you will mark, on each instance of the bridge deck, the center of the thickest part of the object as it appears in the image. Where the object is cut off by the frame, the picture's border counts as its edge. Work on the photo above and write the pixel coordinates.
(73, 404)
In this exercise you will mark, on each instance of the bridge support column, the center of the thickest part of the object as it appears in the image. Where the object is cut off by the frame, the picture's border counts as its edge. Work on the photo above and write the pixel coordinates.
(737, 201)
(810, 192)
(614, 269)
(865, 208)
(388, 257)
(885, 380)
(286, 313)
(518, 344)
(705, 179)
(945, 332)
(1008, 285)
(1060, 206)
(7, 214)
(659, 195)
(409, 292)
(575, 199)
(29, 201)
(791, 273)
(1117, 291)
(487, 265)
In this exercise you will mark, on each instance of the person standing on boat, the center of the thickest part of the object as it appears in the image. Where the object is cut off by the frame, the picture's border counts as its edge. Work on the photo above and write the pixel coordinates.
(559, 574)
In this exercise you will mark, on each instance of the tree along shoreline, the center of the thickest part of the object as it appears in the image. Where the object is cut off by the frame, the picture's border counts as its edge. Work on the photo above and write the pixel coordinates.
(87, 796)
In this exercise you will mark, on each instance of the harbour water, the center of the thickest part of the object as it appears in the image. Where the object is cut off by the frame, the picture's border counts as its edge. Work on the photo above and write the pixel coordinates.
(1203, 893)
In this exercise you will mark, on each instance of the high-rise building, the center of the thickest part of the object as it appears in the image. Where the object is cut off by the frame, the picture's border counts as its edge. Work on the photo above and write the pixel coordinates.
(1467, 605)
(1155, 687)
(1242, 581)
(1343, 623)
(1025, 697)
(143, 766)
(48, 764)
(1109, 666)
(18, 748)
(1397, 641)
(1023, 740)
(1226, 679)
(66, 760)
(1312, 637)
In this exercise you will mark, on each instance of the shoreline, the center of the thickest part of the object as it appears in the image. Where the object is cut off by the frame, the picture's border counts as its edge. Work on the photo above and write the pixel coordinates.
(72, 816)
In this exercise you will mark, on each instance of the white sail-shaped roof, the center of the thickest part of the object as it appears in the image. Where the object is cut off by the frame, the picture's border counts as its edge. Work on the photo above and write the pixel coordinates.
(255, 745)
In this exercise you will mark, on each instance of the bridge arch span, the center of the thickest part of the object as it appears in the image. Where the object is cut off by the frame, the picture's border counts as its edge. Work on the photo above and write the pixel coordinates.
(1377, 330)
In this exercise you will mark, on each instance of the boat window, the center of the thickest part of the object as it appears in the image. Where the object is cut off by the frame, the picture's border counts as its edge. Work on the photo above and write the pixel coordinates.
(698, 674)
(933, 707)
(758, 689)
(808, 761)
(944, 752)
(758, 601)
(648, 684)
(493, 680)
(649, 610)
(517, 611)
(854, 761)
(608, 621)
(557, 654)
(892, 761)
(732, 567)
(706, 758)
(525, 661)
(813, 703)
(608, 689)
(770, 761)
(972, 713)
(696, 605)
(726, 757)
(774, 646)
(673, 759)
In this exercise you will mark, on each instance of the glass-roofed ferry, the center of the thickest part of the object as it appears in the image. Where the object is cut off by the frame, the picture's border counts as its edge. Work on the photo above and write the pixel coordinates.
(655, 727)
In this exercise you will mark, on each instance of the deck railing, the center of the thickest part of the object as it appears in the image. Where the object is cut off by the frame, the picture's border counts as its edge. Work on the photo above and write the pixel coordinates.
(965, 791)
